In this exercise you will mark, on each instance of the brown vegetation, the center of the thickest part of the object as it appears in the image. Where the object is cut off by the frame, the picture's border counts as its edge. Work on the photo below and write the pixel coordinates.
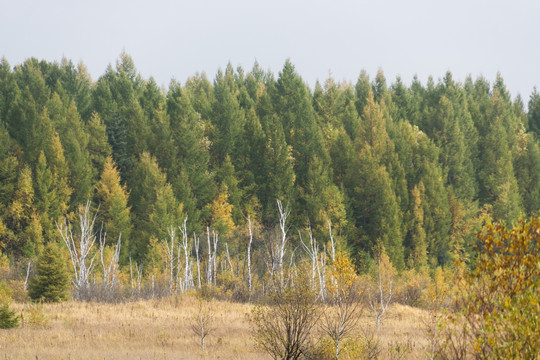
(161, 329)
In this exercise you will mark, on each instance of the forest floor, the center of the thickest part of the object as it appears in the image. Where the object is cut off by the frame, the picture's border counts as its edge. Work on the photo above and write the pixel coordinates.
(162, 329)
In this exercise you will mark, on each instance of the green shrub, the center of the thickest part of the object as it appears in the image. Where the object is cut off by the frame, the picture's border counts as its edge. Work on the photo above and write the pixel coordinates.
(8, 319)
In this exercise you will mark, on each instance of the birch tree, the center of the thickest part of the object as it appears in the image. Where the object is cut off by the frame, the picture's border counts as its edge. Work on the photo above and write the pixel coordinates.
(80, 247)
(169, 251)
(381, 294)
(110, 270)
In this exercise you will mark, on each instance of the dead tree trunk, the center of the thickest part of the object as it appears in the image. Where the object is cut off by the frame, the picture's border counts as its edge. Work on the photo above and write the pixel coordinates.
(196, 241)
(283, 215)
(80, 248)
(249, 253)
(169, 250)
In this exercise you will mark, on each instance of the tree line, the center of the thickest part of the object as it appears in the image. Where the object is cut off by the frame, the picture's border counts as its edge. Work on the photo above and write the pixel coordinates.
(414, 168)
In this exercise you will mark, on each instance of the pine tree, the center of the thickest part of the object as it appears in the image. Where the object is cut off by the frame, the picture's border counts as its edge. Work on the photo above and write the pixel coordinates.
(498, 183)
(8, 318)
(228, 119)
(51, 283)
(534, 113)
(8, 169)
(21, 217)
(191, 178)
(99, 148)
(154, 206)
(527, 169)
(112, 199)
(374, 205)
(418, 248)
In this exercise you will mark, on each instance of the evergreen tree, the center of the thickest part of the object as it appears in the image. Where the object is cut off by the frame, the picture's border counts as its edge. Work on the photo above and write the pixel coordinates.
(154, 206)
(51, 283)
(112, 198)
(374, 205)
(8, 318)
(99, 148)
(302, 132)
(418, 246)
(362, 89)
(8, 169)
(498, 183)
(191, 177)
(228, 119)
(75, 143)
(527, 169)
(227, 178)
(534, 113)
(21, 217)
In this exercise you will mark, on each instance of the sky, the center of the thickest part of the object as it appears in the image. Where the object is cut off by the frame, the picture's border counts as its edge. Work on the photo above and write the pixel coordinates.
(177, 39)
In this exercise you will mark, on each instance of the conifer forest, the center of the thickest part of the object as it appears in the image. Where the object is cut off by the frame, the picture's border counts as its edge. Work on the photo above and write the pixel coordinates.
(235, 182)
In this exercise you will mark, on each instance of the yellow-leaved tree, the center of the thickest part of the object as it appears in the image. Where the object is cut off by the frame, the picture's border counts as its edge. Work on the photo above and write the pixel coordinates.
(498, 313)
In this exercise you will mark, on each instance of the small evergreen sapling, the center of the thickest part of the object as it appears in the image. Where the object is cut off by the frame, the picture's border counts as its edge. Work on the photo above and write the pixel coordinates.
(8, 319)
(51, 284)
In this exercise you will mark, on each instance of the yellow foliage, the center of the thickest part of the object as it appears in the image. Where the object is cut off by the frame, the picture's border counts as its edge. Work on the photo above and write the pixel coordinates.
(222, 211)
(342, 275)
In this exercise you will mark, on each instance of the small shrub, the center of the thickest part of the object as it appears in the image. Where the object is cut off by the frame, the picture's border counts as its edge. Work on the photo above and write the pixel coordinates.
(283, 327)
(8, 319)
(5, 292)
(36, 317)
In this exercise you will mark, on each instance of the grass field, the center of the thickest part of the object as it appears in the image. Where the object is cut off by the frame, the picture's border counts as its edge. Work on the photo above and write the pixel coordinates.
(161, 329)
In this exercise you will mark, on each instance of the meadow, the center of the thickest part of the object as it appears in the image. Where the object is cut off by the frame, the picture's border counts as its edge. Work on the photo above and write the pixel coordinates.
(162, 329)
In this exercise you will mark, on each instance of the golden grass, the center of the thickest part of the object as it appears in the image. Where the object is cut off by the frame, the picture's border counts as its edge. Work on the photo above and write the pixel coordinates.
(161, 329)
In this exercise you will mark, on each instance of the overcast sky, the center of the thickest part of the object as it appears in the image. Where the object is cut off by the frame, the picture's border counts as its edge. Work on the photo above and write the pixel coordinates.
(176, 39)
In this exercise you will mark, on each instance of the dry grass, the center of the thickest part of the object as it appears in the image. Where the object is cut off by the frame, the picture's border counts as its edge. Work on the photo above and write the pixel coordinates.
(161, 329)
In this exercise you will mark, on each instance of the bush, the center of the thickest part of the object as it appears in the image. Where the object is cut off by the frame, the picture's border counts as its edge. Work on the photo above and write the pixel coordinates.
(498, 307)
(35, 316)
(8, 319)
(283, 327)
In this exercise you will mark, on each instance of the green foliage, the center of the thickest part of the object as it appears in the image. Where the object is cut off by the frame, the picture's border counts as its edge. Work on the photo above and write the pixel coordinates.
(51, 283)
(8, 318)
(112, 198)
(409, 165)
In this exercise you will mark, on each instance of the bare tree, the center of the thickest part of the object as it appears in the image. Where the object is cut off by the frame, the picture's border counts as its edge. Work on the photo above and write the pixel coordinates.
(332, 242)
(211, 274)
(209, 271)
(342, 313)
(381, 294)
(169, 251)
(27, 275)
(136, 282)
(229, 258)
(203, 321)
(283, 327)
(188, 276)
(214, 255)
(80, 247)
(196, 242)
(249, 253)
(110, 270)
(283, 215)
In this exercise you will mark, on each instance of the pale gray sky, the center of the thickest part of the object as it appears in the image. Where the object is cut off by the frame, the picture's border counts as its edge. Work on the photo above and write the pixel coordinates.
(175, 39)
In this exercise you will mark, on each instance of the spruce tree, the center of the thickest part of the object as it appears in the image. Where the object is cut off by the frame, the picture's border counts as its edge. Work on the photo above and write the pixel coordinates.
(51, 283)
(8, 318)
